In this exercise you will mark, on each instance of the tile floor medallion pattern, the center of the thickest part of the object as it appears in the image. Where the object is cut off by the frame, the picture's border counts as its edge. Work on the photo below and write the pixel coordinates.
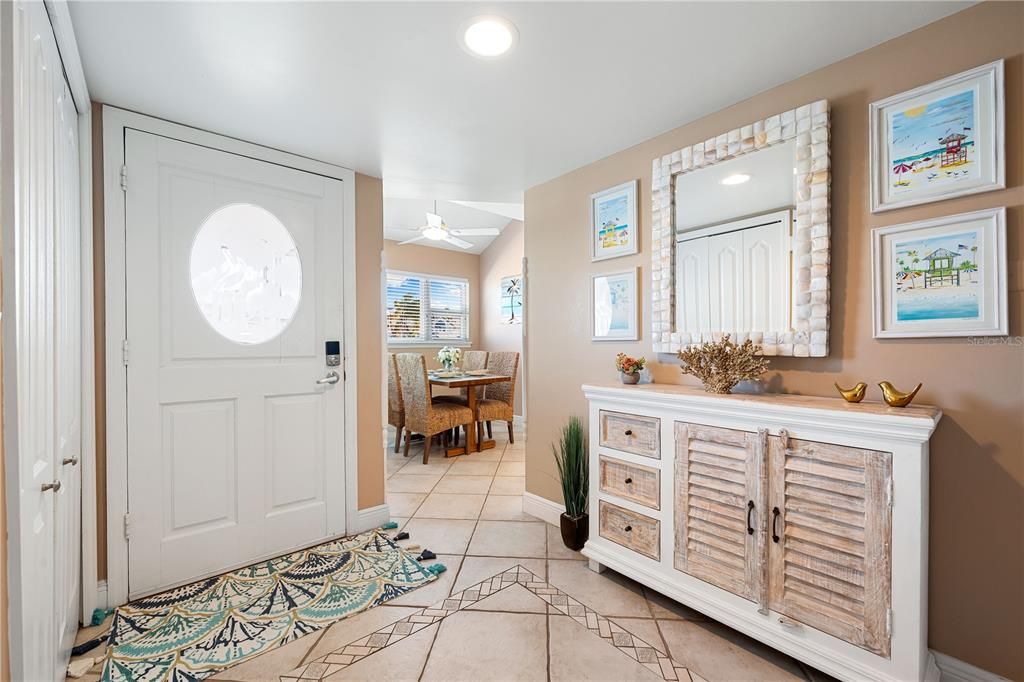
(558, 602)
(514, 604)
(192, 632)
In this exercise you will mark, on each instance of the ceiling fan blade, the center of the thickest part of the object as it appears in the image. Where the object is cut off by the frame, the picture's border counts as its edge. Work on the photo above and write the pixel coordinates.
(461, 243)
(434, 220)
(414, 239)
(477, 232)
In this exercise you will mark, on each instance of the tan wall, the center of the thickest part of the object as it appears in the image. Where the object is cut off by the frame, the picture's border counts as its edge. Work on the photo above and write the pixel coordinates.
(501, 258)
(431, 260)
(369, 243)
(976, 596)
(370, 343)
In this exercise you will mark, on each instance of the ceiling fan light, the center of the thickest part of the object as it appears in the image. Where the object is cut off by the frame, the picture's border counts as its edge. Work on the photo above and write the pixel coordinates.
(435, 233)
(488, 36)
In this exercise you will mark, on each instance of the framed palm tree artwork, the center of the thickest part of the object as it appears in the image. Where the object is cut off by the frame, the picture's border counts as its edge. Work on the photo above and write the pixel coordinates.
(512, 299)
(941, 277)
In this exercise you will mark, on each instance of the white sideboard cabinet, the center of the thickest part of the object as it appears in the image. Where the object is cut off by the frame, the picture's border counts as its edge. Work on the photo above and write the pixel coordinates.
(800, 521)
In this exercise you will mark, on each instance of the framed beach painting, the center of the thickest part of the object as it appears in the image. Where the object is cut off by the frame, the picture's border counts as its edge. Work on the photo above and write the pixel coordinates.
(616, 306)
(941, 277)
(939, 141)
(613, 222)
(512, 299)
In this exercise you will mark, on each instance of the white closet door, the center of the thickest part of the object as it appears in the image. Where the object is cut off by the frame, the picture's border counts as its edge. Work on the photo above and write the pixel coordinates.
(725, 267)
(765, 278)
(43, 353)
(692, 295)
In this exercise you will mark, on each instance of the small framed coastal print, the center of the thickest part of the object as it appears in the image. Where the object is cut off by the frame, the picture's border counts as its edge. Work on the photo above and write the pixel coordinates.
(941, 277)
(613, 222)
(615, 306)
(512, 299)
(939, 141)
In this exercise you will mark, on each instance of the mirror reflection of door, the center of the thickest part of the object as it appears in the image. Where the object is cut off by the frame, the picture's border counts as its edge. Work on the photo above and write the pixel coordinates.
(734, 225)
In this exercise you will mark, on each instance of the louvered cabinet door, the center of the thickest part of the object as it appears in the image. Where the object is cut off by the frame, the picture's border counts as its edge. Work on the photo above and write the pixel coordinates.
(717, 482)
(829, 539)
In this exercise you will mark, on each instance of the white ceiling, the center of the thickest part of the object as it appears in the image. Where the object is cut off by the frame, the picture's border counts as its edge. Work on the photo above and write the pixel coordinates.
(384, 88)
(404, 217)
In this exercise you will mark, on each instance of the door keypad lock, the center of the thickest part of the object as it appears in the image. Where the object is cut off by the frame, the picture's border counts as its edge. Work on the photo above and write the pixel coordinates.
(332, 352)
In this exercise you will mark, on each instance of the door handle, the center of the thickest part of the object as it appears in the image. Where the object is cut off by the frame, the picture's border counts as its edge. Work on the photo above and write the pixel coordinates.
(331, 378)
(70, 460)
(750, 511)
(54, 487)
(775, 520)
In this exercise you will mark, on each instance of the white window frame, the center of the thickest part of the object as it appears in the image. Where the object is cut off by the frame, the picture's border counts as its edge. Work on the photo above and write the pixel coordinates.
(425, 340)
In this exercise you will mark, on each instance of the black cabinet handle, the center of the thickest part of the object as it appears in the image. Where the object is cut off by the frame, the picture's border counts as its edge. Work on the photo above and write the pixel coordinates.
(750, 510)
(629, 432)
(628, 528)
(628, 481)
(775, 520)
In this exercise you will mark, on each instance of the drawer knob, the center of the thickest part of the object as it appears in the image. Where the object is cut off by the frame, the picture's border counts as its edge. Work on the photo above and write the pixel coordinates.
(629, 432)
(628, 528)
(628, 481)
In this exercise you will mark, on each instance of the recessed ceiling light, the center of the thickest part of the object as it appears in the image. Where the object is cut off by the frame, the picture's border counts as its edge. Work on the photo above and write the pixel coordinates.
(488, 36)
(737, 179)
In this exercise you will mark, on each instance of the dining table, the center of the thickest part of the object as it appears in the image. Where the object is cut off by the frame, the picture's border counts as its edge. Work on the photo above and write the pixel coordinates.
(471, 382)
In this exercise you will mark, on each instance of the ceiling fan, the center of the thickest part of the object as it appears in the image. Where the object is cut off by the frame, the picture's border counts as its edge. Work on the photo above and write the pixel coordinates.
(437, 230)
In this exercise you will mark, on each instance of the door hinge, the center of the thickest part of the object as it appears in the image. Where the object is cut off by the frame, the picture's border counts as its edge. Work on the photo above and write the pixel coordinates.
(124, 178)
(124, 352)
(127, 527)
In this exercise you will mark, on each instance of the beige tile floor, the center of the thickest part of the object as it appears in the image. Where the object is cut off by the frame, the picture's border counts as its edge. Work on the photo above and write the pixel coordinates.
(469, 512)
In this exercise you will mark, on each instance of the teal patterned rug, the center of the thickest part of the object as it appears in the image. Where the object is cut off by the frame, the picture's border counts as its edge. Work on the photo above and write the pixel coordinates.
(192, 632)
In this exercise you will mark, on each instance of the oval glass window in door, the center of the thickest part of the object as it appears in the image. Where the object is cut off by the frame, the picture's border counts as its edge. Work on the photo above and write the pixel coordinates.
(245, 272)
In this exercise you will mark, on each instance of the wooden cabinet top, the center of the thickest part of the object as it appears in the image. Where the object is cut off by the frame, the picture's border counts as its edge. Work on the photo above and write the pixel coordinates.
(920, 419)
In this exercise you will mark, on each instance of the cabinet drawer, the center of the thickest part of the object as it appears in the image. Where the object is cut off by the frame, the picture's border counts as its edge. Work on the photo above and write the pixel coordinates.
(631, 433)
(637, 532)
(633, 482)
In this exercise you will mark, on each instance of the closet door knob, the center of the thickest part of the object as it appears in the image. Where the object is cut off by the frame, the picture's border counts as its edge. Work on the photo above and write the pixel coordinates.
(70, 460)
(54, 487)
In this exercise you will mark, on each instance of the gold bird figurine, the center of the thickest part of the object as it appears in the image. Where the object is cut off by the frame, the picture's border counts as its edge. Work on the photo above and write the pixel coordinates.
(895, 398)
(853, 395)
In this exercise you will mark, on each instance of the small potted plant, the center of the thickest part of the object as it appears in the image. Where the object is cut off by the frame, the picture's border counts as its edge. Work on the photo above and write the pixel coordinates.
(629, 368)
(574, 473)
(449, 357)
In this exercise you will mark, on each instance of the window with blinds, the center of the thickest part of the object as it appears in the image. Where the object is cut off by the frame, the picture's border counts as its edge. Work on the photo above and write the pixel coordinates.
(426, 309)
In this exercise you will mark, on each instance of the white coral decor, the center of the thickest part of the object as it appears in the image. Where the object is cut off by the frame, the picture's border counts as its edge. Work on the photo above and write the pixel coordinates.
(449, 357)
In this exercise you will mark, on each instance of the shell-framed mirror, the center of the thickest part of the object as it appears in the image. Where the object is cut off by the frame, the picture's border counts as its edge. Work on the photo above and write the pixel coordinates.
(740, 238)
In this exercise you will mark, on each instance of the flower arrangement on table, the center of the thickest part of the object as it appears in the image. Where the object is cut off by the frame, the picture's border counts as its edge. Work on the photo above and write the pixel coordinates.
(629, 368)
(449, 357)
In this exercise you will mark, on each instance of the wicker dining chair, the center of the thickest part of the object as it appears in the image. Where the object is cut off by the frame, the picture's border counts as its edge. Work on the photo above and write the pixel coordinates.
(396, 410)
(499, 398)
(423, 415)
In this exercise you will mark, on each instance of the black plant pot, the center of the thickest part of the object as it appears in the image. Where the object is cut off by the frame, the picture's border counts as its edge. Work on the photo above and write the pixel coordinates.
(575, 531)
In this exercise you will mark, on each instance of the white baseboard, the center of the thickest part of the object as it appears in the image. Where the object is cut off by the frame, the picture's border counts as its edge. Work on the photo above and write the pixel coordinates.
(954, 670)
(518, 420)
(543, 508)
(101, 598)
(371, 517)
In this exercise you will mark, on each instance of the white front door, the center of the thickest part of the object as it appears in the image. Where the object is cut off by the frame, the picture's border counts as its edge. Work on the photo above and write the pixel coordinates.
(234, 286)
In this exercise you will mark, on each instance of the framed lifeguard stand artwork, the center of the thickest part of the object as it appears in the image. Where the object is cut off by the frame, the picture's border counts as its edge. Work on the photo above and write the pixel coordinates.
(613, 222)
(939, 141)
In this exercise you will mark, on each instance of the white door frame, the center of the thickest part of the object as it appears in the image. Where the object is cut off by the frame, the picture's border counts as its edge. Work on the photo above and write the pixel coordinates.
(115, 121)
